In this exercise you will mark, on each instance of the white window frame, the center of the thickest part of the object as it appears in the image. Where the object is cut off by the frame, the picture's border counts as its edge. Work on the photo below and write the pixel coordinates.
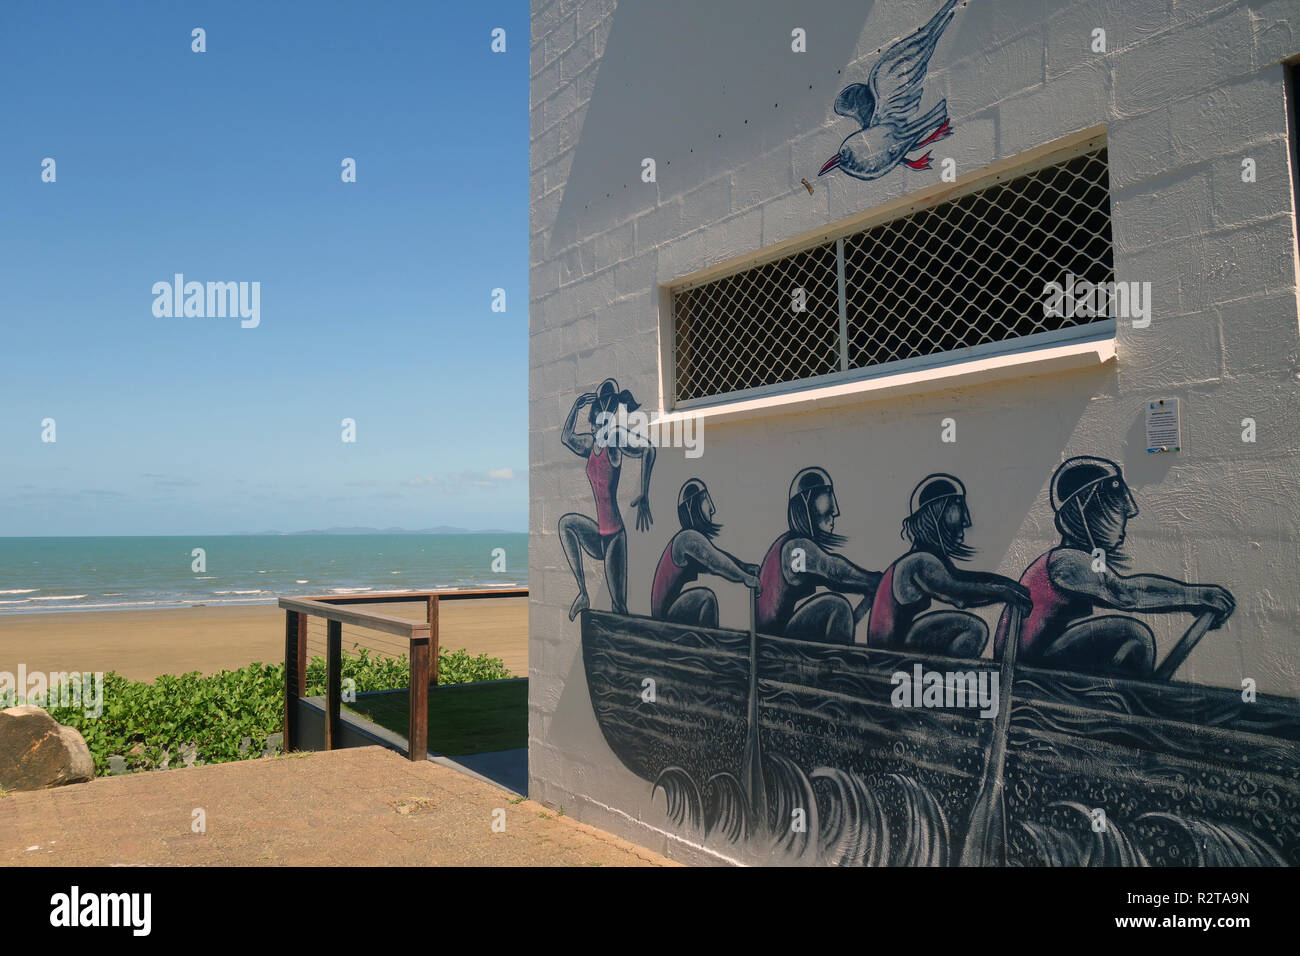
(1042, 352)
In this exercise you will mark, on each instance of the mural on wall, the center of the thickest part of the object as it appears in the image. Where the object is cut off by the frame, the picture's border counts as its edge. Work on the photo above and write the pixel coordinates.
(936, 526)
(604, 538)
(807, 735)
(801, 559)
(885, 108)
(1093, 506)
(690, 553)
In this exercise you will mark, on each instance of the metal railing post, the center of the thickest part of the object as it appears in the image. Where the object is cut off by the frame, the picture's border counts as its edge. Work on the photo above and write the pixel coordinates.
(333, 682)
(417, 735)
(302, 653)
(295, 670)
(433, 638)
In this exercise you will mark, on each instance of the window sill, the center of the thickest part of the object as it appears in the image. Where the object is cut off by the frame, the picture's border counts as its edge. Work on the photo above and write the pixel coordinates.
(993, 368)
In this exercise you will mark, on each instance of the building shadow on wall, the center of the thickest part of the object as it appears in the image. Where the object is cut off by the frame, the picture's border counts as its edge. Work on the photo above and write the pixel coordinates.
(699, 89)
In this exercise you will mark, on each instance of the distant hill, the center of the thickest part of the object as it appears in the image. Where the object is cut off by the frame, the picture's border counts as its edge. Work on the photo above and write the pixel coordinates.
(441, 529)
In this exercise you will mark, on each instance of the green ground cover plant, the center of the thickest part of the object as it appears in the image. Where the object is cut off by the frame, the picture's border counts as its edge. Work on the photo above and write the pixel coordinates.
(151, 726)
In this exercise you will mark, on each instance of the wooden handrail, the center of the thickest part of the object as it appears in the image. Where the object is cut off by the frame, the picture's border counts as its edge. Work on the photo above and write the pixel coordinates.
(401, 626)
(399, 597)
(421, 635)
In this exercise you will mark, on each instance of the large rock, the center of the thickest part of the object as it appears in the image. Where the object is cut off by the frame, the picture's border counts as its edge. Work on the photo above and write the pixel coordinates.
(36, 752)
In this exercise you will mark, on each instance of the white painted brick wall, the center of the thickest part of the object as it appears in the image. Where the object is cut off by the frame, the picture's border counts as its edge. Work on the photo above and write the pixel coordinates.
(1035, 116)
(1222, 121)
(1186, 89)
(1172, 208)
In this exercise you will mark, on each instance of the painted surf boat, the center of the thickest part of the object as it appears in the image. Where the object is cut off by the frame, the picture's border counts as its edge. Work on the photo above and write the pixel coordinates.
(1097, 770)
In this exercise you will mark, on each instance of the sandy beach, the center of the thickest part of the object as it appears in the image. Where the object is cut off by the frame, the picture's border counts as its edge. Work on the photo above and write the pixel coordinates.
(143, 644)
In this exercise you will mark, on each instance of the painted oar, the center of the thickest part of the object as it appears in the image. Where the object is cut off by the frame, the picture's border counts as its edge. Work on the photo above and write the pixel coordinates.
(752, 766)
(986, 834)
(1179, 652)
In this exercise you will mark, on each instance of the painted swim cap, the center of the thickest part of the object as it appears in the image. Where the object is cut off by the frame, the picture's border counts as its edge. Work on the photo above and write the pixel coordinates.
(690, 489)
(688, 503)
(934, 487)
(809, 480)
(1079, 477)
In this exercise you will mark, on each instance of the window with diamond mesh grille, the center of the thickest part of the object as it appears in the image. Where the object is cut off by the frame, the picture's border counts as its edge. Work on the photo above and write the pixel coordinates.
(964, 273)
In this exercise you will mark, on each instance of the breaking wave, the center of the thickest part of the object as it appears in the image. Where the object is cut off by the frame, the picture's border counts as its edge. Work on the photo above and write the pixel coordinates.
(1075, 840)
(829, 816)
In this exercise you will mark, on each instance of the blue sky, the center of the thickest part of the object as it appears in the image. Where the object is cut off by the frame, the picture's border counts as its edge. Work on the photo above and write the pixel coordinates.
(225, 166)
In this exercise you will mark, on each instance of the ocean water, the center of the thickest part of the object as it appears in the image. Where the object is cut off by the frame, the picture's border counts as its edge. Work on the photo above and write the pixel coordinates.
(69, 574)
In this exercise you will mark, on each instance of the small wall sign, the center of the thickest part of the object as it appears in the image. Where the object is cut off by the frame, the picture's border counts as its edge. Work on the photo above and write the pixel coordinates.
(1164, 429)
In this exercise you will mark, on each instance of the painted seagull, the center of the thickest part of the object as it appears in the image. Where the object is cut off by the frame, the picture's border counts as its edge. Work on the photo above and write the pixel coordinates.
(883, 107)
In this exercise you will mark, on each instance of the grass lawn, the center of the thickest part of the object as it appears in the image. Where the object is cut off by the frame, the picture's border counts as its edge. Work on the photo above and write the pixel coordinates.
(463, 719)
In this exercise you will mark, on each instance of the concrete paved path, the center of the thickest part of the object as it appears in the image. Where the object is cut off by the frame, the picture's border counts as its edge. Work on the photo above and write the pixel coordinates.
(360, 807)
